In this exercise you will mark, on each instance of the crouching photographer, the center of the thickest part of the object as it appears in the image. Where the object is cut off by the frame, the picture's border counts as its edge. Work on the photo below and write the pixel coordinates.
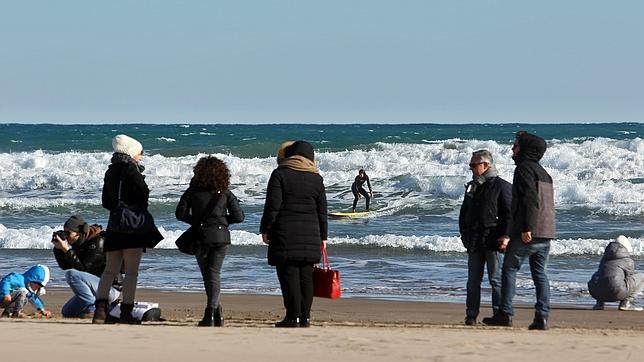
(78, 249)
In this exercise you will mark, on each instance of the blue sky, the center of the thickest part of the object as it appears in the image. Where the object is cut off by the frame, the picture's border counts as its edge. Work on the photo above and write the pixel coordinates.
(321, 61)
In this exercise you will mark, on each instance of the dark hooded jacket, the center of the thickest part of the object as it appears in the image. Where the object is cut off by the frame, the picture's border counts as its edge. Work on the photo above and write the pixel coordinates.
(194, 203)
(614, 280)
(86, 254)
(134, 192)
(533, 207)
(295, 212)
(485, 215)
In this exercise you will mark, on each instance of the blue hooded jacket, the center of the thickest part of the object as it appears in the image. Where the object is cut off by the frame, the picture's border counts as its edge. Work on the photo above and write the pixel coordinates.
(38, 274)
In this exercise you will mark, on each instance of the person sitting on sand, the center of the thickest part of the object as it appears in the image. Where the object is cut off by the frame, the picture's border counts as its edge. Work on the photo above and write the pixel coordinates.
(16, 289)
(359, 191)
(616, 280)
(78, 249)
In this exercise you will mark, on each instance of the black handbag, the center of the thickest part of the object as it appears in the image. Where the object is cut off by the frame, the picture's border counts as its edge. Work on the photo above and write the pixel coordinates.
(189, 242)
(127, 219)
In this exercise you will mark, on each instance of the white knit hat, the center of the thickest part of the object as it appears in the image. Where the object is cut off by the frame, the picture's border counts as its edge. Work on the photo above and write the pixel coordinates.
(625, 243)
(126, 144)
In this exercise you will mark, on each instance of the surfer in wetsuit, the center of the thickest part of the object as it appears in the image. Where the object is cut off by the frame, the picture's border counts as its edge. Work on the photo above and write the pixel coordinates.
(359, 191)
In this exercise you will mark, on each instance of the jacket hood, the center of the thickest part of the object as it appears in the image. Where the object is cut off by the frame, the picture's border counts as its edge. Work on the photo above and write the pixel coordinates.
(37, 274)
(616, 250)
(531, 147)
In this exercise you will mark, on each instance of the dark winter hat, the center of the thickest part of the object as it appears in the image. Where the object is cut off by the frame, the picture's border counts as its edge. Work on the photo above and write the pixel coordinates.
(76, 223)
(301, 148)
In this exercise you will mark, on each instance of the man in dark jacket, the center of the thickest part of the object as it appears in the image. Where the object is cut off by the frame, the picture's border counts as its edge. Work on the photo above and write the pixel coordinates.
(78, 249)
(533, 227)
(484, 223)
(616, 280)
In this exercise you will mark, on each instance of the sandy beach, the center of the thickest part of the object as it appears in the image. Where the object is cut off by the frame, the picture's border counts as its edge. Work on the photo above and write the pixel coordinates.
(351, 329)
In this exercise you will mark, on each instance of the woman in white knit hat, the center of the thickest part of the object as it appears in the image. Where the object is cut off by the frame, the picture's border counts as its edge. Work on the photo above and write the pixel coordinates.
(124, 183)
(616, 279)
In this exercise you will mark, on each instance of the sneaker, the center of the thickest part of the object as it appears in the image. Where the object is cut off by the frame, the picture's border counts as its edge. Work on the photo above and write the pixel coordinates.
(598, 306)
(627, 305)
(499, 319)
(539, 324)
(470, 321)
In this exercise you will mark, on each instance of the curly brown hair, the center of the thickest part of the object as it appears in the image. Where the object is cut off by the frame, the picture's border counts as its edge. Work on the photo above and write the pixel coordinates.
(211, 173)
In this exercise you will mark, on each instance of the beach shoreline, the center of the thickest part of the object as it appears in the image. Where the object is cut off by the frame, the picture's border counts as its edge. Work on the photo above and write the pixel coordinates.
(354, 329)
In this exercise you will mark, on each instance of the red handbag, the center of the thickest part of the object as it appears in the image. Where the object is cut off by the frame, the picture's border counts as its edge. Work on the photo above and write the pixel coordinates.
(326, 281)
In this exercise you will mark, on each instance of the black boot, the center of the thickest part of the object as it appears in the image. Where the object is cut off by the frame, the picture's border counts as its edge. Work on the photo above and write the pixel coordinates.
(539, 323)
(499, 319)
(305, 322)
(218, 316)
(100, 314)
(126, 314)
(207, 320)
(288, 323)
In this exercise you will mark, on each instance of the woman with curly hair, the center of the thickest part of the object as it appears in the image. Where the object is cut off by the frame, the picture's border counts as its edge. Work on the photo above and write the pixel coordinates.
(209, 202)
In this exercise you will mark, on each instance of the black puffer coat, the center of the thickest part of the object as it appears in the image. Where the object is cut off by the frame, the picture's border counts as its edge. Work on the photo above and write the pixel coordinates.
(85, 254)
(614, 280)
(485, 216)
(295, 216)
(194, 203)
(134, 192)
(533, 206)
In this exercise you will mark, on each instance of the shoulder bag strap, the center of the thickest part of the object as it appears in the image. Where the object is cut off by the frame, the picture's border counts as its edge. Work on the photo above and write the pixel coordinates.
(210, 207)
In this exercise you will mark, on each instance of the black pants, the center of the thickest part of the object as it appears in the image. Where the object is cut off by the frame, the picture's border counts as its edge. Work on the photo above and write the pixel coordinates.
(210, 261)
(356, 197)
(296, 281)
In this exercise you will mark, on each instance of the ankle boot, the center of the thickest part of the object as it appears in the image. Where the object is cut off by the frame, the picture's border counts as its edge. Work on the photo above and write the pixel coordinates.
(499, 319)
(126, 314)
(100, 314)
(539, 323)
(288, 323)
(207, 320)
(218, 316)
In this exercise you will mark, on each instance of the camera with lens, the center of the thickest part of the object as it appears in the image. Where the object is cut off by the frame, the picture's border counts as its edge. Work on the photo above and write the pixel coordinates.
(60, 234)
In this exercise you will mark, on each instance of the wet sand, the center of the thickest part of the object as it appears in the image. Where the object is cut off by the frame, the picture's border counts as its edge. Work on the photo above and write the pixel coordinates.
(352, 329)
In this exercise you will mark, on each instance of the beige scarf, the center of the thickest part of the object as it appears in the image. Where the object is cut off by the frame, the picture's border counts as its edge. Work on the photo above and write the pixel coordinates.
(297, 162)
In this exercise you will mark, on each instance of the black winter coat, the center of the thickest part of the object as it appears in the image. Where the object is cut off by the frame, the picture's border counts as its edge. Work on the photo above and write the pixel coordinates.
(614, 280)
(194, 203)
(134, 192)
(295, 216)
(84, 255)
(485, 216)
(533, 206)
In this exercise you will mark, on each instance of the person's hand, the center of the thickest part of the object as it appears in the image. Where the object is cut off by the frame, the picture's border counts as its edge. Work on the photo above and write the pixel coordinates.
(60, 243)
(323, 243)
(526, 237)
(371, 194)
(503, 243)
(7, 298)
(265, 239)
(45, 313)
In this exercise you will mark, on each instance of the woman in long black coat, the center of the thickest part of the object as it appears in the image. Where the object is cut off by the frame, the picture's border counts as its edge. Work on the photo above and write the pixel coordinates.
(294, 225)
(123, 179)
(209, 193)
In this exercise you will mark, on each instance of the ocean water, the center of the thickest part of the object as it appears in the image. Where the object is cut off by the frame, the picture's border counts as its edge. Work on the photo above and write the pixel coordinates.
(408, 248)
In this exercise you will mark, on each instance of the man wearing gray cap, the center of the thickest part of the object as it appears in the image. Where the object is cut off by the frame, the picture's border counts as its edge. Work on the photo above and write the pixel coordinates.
(78, 249)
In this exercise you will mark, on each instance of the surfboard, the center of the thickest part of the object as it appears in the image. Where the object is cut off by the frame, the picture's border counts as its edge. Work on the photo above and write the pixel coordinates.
(348, 214)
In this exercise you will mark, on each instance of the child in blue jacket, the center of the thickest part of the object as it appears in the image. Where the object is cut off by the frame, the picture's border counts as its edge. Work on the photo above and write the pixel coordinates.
(16, 289)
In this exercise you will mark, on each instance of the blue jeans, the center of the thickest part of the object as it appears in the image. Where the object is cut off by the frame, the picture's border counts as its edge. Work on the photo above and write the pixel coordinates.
(84, 286)
(476, 262)
(537, 253)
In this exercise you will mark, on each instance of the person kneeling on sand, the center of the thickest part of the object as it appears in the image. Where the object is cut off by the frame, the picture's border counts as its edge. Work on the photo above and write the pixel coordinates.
(78, 249)
(616, 280)
(16, 289)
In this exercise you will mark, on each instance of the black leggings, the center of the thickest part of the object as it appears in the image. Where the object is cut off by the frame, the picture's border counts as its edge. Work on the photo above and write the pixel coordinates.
(296, 281)
(210, 261)
(356, 197)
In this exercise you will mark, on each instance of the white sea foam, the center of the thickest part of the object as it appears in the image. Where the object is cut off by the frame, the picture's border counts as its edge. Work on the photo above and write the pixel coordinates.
(167, 139)
(39, 238)
(603, 175)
